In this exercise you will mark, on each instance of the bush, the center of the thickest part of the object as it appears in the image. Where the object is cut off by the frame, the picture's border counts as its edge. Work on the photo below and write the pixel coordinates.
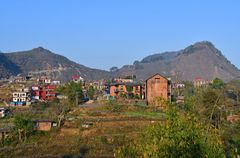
(180, 136)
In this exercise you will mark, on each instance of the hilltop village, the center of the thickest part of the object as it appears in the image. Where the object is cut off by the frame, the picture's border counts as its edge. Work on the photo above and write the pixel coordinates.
(94, 115)
(23, 91)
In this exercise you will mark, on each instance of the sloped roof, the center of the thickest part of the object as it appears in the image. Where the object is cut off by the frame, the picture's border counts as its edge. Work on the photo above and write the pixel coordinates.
(155, 75)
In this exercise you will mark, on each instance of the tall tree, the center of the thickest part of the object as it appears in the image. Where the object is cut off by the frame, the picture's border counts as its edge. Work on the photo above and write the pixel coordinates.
(23, 125)
(73, 91)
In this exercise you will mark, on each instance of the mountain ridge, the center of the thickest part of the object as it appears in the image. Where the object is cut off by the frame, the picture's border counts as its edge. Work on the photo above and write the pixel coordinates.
(201, 59)
(39, 59)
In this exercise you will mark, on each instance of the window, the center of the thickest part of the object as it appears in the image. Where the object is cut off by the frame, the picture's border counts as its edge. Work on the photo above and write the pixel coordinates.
(157, 80)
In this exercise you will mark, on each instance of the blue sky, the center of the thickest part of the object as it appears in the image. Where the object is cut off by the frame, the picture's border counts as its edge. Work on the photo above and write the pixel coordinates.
(106, 33)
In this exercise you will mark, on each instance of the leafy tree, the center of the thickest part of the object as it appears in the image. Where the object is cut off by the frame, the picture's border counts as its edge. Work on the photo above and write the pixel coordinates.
(218, 83)
(231, 137)
(23, 125)
(91, 92)
(73, 91)
(214, 102)
(188, 89)
(181, 136)
(129, 88)
(159, 103)
(61, 110)
(209, 97)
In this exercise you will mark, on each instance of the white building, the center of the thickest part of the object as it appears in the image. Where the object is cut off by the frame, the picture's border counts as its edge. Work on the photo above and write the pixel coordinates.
(77, 79)
(20, 96)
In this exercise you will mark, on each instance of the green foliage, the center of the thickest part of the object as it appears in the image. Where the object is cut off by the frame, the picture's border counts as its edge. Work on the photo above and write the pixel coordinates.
(137, 96)
(73, 91)
(231, 137)
(123, 95)
(114, 106)
(189, 88)
(23, 125)
(23, 122)
(146, 114)
(91, 92)
(180, 136)
(159, 103)
(218, 83)
(209, 97)
(129, 88)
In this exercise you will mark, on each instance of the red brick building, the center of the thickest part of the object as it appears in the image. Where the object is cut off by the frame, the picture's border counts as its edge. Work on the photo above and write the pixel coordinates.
(48, 92)
(44, 125)
(158, 86)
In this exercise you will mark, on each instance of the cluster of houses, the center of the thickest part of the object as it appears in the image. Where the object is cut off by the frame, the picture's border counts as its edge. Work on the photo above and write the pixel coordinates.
(45, 90)
(200, 82)
(155, 86)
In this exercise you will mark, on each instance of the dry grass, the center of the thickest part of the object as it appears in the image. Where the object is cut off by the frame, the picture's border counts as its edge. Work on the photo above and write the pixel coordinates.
(112, 127)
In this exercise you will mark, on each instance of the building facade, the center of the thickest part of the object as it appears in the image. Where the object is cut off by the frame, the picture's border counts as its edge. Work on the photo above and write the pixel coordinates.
(48, 92)
(128, 89)
(44, 125)
(158, 86)
(77, 79)
(200, 82)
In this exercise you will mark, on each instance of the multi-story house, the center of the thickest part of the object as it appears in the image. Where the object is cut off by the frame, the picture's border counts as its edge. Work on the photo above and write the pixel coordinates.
(200, 82)
(158, 86)
(35, 92)
(20, 96)
(123, 80)
(47, 92)
(124, 88)
(77, 79)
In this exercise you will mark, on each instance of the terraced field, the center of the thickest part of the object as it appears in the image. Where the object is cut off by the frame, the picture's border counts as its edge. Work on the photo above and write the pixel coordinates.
(110, 128)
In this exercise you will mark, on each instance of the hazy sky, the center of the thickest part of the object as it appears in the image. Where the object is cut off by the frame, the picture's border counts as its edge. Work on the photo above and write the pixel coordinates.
(102, 34)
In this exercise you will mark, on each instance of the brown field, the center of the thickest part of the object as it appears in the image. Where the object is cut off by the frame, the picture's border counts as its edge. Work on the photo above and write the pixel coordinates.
(110, 129)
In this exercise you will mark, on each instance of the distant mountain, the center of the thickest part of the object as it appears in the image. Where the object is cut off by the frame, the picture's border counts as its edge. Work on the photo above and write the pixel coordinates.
(7, 67)
(40, 61)
(201, 59)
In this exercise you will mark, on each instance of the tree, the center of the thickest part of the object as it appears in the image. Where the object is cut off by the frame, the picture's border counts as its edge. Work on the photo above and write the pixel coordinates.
(188, 89)
(61, 111)
(129, 88)
(73, 91)
(218, 83)
(181, 136)
(91, 92)
(213, 101)
(23, 125)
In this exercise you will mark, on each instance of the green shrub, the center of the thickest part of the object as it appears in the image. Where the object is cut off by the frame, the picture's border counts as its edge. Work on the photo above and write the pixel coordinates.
(180, 136)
